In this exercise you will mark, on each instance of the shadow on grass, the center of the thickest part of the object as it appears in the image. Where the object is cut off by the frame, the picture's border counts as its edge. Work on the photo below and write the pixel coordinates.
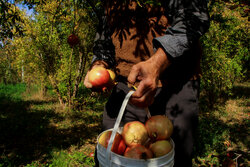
(27, 134)
(213, 132)
(241, 91)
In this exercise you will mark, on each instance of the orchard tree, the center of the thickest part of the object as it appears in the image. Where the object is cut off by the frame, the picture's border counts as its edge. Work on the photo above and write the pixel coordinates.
(225, 46)
(54, 56)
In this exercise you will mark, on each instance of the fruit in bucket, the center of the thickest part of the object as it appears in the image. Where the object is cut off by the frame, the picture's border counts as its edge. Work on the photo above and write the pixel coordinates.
(138, 152)
(160, 148)
(159, 127)
(73, 40)
(134, 133)
(118, 146)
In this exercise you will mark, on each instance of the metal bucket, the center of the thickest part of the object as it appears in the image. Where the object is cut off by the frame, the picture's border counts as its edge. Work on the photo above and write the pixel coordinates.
(107, 158)
(121, 161)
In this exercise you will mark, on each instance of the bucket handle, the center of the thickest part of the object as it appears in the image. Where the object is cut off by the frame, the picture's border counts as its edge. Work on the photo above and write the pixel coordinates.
(116, 126)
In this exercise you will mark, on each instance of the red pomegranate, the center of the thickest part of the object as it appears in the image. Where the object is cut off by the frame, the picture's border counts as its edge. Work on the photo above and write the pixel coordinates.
(134, 133)
(159, 127)
(118, 146)
(73, 40)
(99, 77)
(138, 152)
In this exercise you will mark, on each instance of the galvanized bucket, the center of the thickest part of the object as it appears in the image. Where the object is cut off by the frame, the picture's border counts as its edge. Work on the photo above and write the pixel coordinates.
(107, 158)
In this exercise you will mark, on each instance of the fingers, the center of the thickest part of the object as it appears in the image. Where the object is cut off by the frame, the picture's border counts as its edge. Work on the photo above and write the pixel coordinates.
(142, 89)
(134, 74)
(86, 81)
(144, 101)
(144, 94)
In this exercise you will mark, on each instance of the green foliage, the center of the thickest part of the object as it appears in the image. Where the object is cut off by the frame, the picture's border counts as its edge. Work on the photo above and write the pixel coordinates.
(10, 20)
(148, 2)
(226, 57)
(65, 159)
(43, 56)
(13, 92)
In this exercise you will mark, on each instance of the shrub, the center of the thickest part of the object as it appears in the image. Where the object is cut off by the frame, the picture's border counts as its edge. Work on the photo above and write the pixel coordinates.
(225, 58)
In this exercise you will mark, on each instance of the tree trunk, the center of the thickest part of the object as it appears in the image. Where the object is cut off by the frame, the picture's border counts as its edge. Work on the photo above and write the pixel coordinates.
(80, 71)
(55, 87)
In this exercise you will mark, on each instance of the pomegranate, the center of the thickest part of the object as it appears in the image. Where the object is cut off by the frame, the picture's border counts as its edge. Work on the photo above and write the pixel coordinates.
(111, 82)
(112, 76)
(138, 152)
(134, 133)
(160, 148)
(99, 77)
(118, 146)
(92, 155)
(120, 149)
(159, 127)
(73, 40)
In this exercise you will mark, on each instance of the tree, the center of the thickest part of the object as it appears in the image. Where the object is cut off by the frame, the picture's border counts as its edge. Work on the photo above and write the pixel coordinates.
(44, 48)
(226, 58)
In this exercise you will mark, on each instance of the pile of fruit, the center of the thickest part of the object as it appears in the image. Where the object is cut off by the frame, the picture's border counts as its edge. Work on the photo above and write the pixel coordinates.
(142, 141)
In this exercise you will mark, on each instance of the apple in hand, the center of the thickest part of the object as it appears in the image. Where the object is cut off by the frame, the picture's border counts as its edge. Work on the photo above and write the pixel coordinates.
(112, 75)
(112, 78)
(99, 77)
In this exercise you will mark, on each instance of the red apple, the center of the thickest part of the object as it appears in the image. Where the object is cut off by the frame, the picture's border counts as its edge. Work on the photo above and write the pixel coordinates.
(118, 146)
(73, 40)
(99, 77)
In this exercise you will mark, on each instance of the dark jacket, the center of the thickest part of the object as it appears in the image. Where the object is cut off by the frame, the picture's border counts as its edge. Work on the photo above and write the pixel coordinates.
(129, 34)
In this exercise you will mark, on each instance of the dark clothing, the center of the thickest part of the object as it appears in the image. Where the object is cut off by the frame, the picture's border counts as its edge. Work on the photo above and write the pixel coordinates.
(188, 20)
(178, 102)
(175, 26)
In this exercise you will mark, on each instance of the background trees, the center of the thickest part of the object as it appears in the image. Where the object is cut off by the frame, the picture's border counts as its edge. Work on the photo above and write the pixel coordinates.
(43, 56)
(34, 49)
(226, 58)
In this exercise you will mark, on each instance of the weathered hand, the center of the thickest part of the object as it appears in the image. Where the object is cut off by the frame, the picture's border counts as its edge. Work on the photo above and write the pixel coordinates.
(147, 73)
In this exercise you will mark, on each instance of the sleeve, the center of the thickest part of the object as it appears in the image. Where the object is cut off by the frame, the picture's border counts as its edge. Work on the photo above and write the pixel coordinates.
(103, 48)
(189, 20)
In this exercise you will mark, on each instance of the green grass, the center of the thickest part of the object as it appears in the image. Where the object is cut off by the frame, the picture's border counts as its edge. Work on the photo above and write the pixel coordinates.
(37, 131)
(11, 92)
(225, 129)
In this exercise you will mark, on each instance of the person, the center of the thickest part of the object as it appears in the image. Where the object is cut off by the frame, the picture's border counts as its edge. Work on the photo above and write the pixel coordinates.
(156, 48)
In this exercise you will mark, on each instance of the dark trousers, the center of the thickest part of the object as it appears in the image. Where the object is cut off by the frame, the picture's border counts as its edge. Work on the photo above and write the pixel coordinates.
(179, 102)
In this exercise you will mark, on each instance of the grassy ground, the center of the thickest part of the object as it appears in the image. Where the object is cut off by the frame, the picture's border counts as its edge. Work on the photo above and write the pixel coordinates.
(36, 131)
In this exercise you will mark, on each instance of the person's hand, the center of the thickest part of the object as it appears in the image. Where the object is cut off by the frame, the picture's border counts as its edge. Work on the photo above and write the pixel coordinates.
(147, 73)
